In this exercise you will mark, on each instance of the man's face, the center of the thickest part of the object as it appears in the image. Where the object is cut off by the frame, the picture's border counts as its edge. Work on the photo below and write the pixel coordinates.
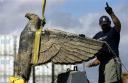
(105, 27)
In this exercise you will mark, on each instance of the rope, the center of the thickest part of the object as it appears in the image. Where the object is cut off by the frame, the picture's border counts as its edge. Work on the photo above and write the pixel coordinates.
(116, 56)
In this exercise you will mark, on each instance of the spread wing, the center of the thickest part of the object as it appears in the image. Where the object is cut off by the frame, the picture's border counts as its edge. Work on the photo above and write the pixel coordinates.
(66, 48)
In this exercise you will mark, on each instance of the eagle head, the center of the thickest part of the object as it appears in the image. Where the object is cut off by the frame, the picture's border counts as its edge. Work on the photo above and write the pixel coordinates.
(34, 19)
(32, 16)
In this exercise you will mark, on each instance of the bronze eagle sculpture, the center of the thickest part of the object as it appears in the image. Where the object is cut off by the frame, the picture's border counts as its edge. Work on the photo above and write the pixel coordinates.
(56, 46)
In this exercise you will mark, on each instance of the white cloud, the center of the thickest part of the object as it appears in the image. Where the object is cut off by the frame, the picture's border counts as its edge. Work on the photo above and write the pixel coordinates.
(124, 38)
(90, 23)
(56, 1)
(1, 1)
(29, 0)
(41, 0)
(13, 11)
(86, 24)
(51, 2)
(13, 21)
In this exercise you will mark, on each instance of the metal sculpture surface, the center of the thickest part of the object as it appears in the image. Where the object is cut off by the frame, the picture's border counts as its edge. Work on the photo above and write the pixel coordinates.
(56, 46)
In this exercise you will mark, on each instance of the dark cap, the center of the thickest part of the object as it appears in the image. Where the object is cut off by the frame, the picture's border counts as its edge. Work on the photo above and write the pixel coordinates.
(104, 20)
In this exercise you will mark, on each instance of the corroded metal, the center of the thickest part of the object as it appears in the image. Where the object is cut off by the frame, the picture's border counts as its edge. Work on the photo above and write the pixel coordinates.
(58, 47)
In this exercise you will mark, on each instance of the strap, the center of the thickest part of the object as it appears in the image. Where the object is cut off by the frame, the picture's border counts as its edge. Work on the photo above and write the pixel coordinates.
(38, 37)
(43, 8)
(37, 45)
(13, 79)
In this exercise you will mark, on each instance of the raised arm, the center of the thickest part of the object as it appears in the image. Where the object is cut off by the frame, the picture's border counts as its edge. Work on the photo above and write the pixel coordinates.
(115, 19)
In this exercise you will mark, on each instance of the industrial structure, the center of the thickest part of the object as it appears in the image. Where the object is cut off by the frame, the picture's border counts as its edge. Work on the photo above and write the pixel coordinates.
(8, 49)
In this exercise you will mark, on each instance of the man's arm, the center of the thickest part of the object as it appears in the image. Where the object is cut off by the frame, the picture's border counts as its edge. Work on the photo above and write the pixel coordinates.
(94, 63)
(114, 17)
(116, 22)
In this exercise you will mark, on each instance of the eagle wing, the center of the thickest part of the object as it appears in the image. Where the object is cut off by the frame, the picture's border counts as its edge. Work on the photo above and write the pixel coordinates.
(62, 47)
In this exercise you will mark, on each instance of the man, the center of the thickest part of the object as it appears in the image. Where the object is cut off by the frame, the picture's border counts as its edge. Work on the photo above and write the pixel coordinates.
(110, 65)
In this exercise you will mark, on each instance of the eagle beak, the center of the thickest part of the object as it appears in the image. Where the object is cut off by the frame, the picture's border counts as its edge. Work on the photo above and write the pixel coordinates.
(28, 16)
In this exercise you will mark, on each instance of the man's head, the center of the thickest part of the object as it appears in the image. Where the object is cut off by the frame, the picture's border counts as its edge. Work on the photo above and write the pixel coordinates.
(105, 23)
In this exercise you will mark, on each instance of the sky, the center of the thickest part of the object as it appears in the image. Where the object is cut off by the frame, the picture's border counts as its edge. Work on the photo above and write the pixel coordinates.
(75, 16)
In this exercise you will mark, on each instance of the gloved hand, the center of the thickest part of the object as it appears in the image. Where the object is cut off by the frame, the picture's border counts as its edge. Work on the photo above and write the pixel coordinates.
(108, 9)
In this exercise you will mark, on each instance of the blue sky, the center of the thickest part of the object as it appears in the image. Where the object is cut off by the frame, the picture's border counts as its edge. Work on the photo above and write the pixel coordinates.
(80, 7)
(76, 16)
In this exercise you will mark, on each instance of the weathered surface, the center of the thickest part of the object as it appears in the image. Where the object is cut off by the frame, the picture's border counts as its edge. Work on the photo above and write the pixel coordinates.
(56, 46)
(23, 59)
(67, 48)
